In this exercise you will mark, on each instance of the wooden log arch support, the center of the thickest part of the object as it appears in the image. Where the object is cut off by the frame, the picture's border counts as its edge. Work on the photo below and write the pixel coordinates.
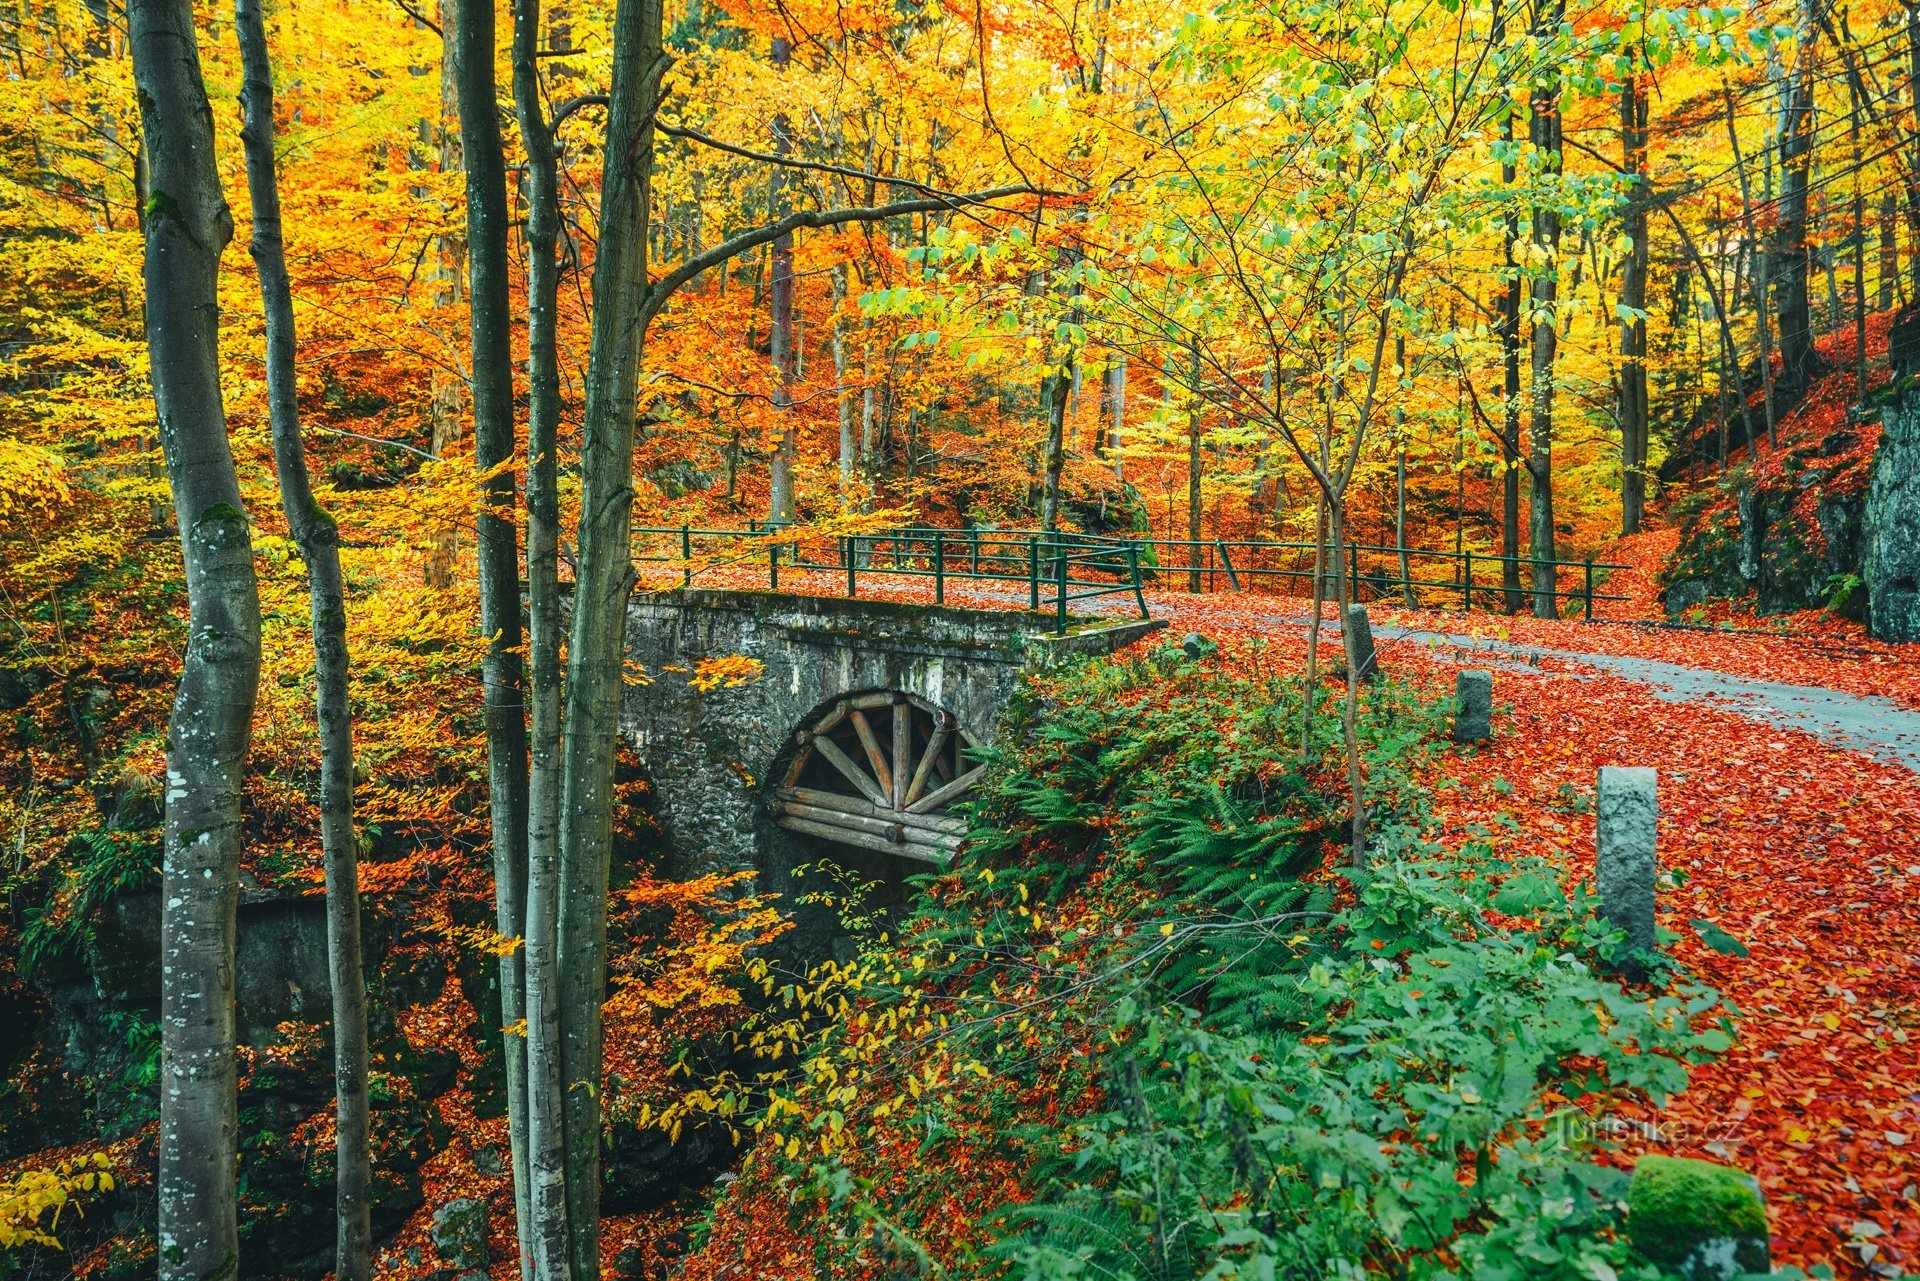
(880, 771)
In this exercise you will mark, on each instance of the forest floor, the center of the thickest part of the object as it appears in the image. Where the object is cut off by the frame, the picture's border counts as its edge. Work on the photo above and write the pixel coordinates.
(1790, 818)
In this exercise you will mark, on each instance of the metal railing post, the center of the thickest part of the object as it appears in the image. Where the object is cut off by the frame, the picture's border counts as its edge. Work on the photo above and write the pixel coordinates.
(1133, 565)
(973, 539)
(1353, 572)
(939, 568)
(1232, 576)
(1589, 589)
(1060, 582)
(686, 556)
(853, 565)
(773, 565)
(1033, 574)
(1467, 599)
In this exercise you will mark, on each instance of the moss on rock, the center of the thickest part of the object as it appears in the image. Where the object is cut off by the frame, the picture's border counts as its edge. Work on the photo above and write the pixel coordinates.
(1696, 1218)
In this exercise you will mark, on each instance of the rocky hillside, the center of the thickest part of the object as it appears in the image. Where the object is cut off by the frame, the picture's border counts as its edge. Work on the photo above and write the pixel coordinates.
(1827, 516)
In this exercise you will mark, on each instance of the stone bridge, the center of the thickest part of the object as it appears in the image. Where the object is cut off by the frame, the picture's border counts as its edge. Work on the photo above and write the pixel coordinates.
(843, 758)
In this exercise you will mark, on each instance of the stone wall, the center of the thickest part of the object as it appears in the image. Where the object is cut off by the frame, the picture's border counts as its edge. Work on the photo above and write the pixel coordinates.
(709, 755)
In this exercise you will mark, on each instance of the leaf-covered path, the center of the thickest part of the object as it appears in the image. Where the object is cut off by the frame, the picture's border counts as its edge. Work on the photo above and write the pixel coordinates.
(1790, 818)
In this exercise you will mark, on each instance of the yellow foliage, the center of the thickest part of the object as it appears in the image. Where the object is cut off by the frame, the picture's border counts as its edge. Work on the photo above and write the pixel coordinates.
(30, 1205)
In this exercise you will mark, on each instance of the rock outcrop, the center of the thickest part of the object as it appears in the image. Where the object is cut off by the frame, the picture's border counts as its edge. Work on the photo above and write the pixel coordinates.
(1891, 560)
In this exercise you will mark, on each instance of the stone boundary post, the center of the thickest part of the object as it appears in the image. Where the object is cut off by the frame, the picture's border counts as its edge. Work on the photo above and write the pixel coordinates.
(1627, 815)
(1366, 664)
(1473, 707)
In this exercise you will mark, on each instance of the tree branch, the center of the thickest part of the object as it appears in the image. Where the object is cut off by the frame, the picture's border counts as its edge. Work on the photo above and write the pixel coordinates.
(421, 18)
(790, 162)
(572, 105)
(665, 287)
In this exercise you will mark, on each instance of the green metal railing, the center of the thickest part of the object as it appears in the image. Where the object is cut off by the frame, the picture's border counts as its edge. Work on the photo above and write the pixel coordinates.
(1059, 569)
(1373, 572)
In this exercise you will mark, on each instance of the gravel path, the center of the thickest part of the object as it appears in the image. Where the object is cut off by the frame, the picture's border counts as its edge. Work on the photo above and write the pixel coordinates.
(1874, 726)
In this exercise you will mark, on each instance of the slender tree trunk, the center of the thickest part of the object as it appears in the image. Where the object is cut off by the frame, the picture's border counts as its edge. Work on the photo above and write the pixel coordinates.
(1195, 466)
(1117, 411)
(780, 499)
(1400, 480)
(449, 264)
(1762, 259)
(187, 226)
(1350, 704)
(497, 554)
(1510, 383)
(1889, 269)
(602, 583)
(1053, 390)
(1311, 701)
(1633, 301)
(1799, 361)
(1859, 257)
(319, 542)
(1546, 340)
(842, 398)
(543, 1237)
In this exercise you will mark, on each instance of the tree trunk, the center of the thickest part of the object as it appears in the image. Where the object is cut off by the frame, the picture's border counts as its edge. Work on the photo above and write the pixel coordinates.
(1350, 704)
(187, 226)
(1761, 260)
(1889, 256)
(449, 263)
(1798, 360)
(497, 546)
(1117, 411)
(1053, 390)
(1510, 384)
(1633, 300)
(1859, 256)
(842, 398)
(602, 582)
(1194, 467)
(543, 1235)
(1546, 339)
(781, 507)
(319, 542)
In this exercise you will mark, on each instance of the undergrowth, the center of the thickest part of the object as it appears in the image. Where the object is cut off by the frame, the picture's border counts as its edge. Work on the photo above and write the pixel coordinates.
(1143, 1029)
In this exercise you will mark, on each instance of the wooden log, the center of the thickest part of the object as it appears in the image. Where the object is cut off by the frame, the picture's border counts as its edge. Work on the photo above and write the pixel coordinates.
(935, 746)
(867, 702)
(902, 753)
(854, 805)
(872, 744)
(921, 851)
(935, 799)
(853, 773)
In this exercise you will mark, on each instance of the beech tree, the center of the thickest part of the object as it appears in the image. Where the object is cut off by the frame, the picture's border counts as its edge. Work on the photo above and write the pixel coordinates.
(319, 542)
(187, 226)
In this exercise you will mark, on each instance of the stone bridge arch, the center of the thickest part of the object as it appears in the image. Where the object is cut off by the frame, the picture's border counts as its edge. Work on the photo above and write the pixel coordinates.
(724, 764)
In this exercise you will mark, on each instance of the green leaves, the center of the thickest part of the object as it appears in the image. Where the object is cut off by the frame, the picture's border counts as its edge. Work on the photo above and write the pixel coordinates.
(1718, 939)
